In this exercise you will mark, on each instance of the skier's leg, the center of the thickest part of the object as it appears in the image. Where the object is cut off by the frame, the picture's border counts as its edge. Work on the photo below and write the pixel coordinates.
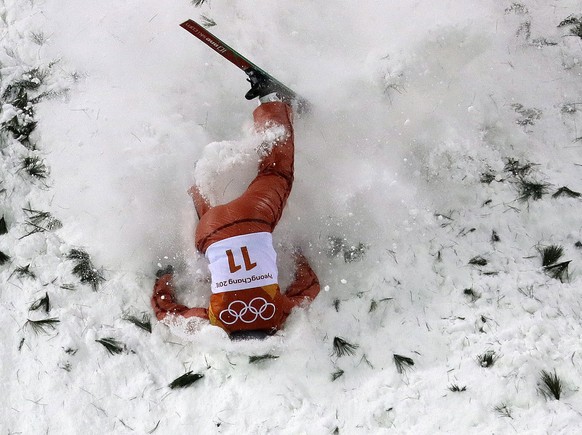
(275, 176)
(200, 202)
(260, 207)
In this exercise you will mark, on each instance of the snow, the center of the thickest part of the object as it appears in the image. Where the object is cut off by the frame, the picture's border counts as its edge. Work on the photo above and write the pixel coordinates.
(412, 103)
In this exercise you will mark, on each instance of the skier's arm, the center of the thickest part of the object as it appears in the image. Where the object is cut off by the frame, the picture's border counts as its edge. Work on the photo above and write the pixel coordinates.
(163, 301)
(304, 288)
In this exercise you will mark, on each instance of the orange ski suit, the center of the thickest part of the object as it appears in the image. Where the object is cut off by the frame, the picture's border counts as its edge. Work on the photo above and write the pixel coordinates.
(257, 210)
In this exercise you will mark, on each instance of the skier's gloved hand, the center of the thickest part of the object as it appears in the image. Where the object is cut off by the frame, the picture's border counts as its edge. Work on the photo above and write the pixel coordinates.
(169, 269)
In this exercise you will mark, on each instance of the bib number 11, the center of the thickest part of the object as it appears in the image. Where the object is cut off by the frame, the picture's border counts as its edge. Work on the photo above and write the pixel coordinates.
(249, 265)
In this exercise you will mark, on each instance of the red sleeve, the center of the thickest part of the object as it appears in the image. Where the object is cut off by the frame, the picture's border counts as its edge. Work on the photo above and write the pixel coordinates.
(305, 286)
(164, 303)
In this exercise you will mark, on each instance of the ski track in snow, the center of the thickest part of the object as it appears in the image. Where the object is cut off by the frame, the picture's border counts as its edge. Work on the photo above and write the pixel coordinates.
(412, 103)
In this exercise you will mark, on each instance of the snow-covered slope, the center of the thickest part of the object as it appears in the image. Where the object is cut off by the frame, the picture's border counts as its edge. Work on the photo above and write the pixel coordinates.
(429, 120)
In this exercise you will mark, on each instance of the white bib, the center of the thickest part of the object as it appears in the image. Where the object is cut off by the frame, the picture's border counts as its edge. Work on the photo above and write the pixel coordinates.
(242, 262)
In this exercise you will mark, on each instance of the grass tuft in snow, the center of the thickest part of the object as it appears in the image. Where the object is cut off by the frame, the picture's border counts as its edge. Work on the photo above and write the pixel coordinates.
(35, 167)
(403, 363)
(185, 380)
(336, 304)
(472, 294)
(570, 20)
(559, 271)
(495, 237)
(551, 385)
(32, 79)
(66, 366)
(207, 21)
(22, 124)
(42, 326)
(39, 38)
(143, 323)
(530, 189)
(551, 254)
(198, 3)
(21, 129)
(258, 358)
(23, 272)
(4, 258)
(337, 374)
(487, 359)
(487, 177)
(341, 347)
(43, 303)
(456, 389)
(3, 227)
(575, 23)
(113, 346)
(85, 270)
(478, 261)
(40, 221)
(44, 218)
(503, 410)
(16, 94)
(516, 168)
(564, 191)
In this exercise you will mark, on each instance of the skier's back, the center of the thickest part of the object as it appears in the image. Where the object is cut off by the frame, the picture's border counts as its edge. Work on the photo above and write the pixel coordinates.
(236, 239)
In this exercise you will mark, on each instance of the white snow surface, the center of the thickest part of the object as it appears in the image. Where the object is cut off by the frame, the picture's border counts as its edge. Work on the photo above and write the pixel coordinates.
(413, 101)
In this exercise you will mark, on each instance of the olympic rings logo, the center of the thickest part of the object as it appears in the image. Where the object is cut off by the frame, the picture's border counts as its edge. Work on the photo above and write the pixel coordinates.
(239, 310)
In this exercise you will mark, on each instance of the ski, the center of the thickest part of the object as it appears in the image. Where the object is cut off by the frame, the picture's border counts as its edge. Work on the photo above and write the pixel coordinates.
(261, 81)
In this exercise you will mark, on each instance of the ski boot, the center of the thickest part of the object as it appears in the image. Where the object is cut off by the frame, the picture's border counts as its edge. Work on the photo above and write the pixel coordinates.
(266, 89)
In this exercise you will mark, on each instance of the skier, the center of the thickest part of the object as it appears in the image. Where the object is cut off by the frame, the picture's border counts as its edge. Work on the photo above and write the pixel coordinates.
(236, 239)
